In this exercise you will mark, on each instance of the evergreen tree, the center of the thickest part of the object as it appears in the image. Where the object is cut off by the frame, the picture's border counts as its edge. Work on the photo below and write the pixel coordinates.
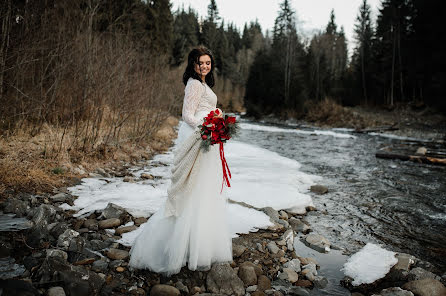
(186, 32)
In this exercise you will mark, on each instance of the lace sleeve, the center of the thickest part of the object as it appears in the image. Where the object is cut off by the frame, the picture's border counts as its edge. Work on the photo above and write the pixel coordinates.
(192, 95)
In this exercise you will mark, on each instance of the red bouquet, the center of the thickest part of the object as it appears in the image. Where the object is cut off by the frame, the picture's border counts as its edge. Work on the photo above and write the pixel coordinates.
(217, 129)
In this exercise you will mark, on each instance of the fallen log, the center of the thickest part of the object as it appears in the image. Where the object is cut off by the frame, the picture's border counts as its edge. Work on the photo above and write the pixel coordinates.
(415, 158)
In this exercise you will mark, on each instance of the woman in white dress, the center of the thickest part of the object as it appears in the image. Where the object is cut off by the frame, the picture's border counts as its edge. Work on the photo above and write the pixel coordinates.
(191, 228)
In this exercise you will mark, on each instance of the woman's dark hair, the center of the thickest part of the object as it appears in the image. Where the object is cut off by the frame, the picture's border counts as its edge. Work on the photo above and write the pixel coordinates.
(192, 60)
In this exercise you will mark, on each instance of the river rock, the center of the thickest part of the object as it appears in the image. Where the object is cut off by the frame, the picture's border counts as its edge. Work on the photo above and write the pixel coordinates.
(56, 291)
(283, 215)
(164, 290)
(288, 236)
(394, 291)
(317, 242)
(299, 226)
(237, 250)
(294, 265)
(248, 275)
(319, 189)
(289, 275)
(57, 253)
(405, 261)
(117, 254)
(147, 176)
(91, 224)
(125, 229)
(222, 279)
(256, 267)
(299, 291)
(263, 283)
(284, 223)
(113, 211)
(99, 266)
(320, 282)
(16, 206)
(272, 247)
(425, 287)
(64, 240)
(60, 197)
(272, 213)
(109, 223)
(140, 220)
(43, 215)
(419, 273)
(421, 151)
(182, 287)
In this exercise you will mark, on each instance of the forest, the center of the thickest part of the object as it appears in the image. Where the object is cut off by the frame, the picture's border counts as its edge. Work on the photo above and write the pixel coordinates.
(101, 71)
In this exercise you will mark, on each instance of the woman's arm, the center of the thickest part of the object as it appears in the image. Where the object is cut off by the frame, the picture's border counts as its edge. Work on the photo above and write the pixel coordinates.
(192, 94)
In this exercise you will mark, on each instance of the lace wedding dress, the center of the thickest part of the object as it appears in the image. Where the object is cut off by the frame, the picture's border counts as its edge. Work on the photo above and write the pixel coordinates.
(195, 230)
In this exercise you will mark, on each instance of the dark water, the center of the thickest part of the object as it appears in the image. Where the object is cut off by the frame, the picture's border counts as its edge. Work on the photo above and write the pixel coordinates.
(398, 204)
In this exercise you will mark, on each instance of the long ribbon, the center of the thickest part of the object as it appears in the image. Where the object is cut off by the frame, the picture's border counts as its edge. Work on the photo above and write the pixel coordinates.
(225, 166)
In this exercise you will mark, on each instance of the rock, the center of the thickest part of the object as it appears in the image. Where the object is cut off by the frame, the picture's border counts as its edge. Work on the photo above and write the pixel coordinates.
(317, 242)
(272, 247)
(65, 239)
(284, 223)
(164, 290)
(283, 215)
(56, 291)
(96, 244)
(419, 273)
(120, 269)
(99, 266)
(113, 211)
(57, 253)
(320, 282)
(299, 226)
(251, 289)
(421, 151)
(319, 189)
(263, 283)
(258, 293)
(298, 291)
(60, 197)
(222, 279)
(125, 229)
(272, 213)
(304, 283)
(182, 287)
(237, 250)
(288, 236)
(117, 254)
(16, 206)
(91, 224)
(257, 268)
(140, 220)
(248, 275)
(294, 265)
(128, 179)
(289, 275)
(44, 214)
(405, 261)
(394, 291)
(425, 287)
(147, 176)
(15, 287)
(85, 261)
(103, 173)
(109, 223)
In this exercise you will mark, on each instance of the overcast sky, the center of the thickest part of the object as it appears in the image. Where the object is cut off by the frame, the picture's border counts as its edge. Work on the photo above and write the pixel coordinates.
(312, 15)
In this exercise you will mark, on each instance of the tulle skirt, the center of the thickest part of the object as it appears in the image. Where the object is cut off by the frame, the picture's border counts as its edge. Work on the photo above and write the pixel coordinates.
(199, 235)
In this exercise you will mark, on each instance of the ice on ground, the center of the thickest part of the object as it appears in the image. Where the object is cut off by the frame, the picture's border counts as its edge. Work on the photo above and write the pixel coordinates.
(262, 178)
(369, 264)
(275, 129)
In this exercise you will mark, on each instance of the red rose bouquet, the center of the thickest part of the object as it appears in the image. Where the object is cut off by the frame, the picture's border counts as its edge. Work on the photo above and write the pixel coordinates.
(217, 129)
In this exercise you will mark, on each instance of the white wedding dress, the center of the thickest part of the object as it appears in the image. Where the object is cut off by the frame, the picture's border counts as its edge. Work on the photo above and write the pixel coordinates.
(198, 235)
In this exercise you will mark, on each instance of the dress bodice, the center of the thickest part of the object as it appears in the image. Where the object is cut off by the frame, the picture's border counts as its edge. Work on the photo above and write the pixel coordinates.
(199, 99)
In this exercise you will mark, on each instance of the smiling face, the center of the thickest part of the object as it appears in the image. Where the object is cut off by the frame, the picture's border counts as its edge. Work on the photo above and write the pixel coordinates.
(204, 66)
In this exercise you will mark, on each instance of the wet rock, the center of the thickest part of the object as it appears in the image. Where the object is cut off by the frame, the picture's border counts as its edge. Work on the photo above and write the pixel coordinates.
(294, 265)
(64, 240)
(237, 250)
(419, 273)
(57, 253)
(304, 283)
(263, 283)
(56, 291)
(317, 242)
(320, 282)
(140, 220)
(113, 211)
(60, 197)
(425, 287)
(222, 279)
(115, 263)
(289, 275)
(319, 189)
(99, 266)
(117, 254)
(394, 291)
(248, 275)
(109, 223)
(272, 213)
(125, 229)
(298, 291)
(272, 247)
(299, 226)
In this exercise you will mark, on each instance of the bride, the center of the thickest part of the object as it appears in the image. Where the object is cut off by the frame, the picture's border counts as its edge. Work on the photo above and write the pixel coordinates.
(191, 227)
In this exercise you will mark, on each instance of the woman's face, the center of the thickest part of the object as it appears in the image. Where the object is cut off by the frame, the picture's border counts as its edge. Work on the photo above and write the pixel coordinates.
(204, 66)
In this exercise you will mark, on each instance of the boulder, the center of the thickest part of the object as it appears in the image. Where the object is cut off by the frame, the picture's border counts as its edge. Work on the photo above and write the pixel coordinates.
(222, 279)
(117, 254)
(237, 250)
(394, 291)
(289, 275)
(272, 213)
(425, 287)
(164, 290)
(319, 189)
(113, 211)
(299, 226)
(263, 283)
(293, 264)
(248, 275)
(317, 242)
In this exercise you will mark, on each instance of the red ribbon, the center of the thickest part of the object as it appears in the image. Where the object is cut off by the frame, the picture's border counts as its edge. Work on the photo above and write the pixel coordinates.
(225, 166)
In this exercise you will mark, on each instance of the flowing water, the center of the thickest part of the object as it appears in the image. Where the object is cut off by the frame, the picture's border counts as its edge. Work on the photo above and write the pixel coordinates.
(398, 204)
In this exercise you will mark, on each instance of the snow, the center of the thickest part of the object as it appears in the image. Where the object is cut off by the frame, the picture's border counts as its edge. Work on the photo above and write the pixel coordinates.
(369, 264)
(260, 178)
(274, 129)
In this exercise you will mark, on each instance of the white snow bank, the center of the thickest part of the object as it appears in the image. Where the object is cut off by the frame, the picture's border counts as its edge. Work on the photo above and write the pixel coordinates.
(275, 129)
(369, 264)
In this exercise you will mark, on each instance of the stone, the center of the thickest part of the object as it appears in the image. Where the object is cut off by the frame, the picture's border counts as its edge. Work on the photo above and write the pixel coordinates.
(64, 240)
(263, 283)
(272, 213)
(299, 226)
(109, 223)
(258, 293)
(288, 237)
(57, 253)
(113, 211)
(60, 197)
(85, 261)
(289, 275)
(147, 176)
(421, 151)
(320, 282)
(164, 290)
(405, 261)
(300, 291)
(140, 220)
(128, 179)
(16, 206)
(222, 279)
(182, 287)
(120, 269)
(91, 224)
(237, 250)
(248, 275)
(419, 273)
(283, 215)
(394, 291)
(251, 289)
(125, 229)
(317, 242)
(272, 247)
(99, 266)
(319, 189)
(294, 265)
(257, 268)
(304, 283)
(56, 291)
(425, 287)
(284, 223)
(117, 254)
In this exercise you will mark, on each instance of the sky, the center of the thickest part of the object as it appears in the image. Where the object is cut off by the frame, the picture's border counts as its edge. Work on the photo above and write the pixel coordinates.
(312, 15)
